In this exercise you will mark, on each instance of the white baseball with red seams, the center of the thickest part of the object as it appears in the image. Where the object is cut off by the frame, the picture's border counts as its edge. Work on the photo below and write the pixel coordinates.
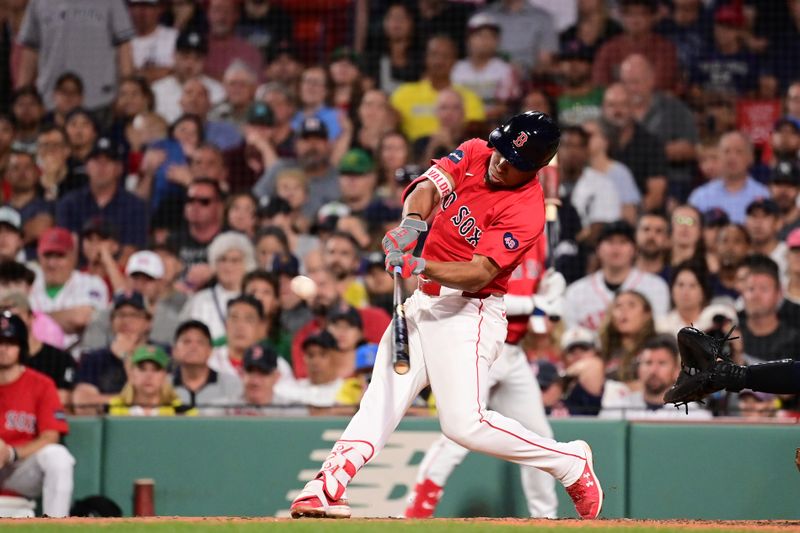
(454, 338)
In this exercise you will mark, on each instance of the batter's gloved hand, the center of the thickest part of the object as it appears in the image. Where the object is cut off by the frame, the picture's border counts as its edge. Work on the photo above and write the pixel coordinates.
(404, 237)
(705, 368)
(410, 265)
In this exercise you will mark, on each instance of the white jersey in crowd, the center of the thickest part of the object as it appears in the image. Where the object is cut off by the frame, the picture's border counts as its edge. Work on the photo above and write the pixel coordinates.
(168, 95)
(595, 198)
(209, 306)
(496, 81)
(303, 392)
(81, 289)
(156, 49)
(619, 402)
(587, 299)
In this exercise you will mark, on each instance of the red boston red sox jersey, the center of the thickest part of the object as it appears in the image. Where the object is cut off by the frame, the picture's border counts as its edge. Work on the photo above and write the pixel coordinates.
(29, 406)
(523, 282)
(474, 218)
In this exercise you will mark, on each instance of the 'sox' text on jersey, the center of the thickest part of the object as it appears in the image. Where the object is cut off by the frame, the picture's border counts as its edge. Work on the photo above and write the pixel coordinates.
(463, 221)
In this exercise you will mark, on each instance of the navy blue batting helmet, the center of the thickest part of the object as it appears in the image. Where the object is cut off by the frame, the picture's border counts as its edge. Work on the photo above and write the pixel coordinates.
(12, 327)
(528, 140)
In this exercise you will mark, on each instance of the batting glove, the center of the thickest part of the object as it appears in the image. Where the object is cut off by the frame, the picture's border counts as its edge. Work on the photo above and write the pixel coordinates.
(404, 237)
(410, 265)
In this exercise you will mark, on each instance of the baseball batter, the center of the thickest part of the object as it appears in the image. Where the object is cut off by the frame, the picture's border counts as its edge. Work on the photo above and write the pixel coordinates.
(513, 392)
(32, 462)
(491, 212)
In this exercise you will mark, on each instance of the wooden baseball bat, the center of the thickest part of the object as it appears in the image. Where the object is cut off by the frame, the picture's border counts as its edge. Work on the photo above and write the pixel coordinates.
(552, 201)
(401, 362)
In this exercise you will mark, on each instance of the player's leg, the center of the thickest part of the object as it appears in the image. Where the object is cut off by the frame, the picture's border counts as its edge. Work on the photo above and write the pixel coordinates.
(384, 403)
(47, 473)
(440, 461)
(458, 373)
(518, 396)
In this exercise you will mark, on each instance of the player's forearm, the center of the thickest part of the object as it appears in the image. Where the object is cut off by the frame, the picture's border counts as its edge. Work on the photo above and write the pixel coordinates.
(471, 277)
(421, 200)
(26, 450)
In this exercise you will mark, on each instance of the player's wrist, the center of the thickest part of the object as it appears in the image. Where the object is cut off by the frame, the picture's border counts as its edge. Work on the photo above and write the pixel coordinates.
(419, 226)
(12, 455)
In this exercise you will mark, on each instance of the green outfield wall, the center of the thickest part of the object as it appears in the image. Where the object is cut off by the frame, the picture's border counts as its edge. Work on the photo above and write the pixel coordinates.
(255, 466)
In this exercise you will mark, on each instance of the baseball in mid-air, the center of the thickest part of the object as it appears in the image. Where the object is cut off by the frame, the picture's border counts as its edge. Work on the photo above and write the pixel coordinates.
(304, 287)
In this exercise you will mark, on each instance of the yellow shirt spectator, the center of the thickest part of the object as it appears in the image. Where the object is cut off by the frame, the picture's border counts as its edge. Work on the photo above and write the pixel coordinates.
(416, 104)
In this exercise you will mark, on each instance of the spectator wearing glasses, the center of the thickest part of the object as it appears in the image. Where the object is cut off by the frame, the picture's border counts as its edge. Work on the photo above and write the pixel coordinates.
(687, 238)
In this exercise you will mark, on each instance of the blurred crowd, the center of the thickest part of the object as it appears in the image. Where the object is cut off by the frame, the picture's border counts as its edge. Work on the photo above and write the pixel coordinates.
(171, 167)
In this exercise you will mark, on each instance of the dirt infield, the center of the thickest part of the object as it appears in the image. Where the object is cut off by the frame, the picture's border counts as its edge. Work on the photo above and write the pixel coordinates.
(387, 523)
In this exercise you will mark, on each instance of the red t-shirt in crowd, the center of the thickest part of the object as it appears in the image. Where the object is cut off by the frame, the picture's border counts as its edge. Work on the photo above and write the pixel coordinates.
(474, 218)
(28, 407)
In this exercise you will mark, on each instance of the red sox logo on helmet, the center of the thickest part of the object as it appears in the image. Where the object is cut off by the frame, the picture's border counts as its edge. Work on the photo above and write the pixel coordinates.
(521, 139)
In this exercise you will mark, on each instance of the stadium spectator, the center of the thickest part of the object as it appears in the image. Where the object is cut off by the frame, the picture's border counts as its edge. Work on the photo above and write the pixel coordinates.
(446, 18)
(734, 189)
(393, 155)
(379, 285)
(264, 24)
(230, 256)
(790, 308)
(260, 378)
(664, 117)
(314, 99)
(42, 357)
(100, 248)
(81, 130)
(224, 46)
(191, 50)
(319, 389)
(726, 67)
(642, 153)
(54, 44)
(240, 84)
(627, 326)
(265, 287)
(733, 243)
(415, 101)
(593, 27)
(186, 16)
(784, 187)
(102, 373)
(638, 20)
(585, 189)
(245, 325)
(153, 48)
(28, 111)
(11, 243)
(394, 55)
(241, 213)
(314, 158)
(341, 256)
(764, 335)
(145, 274)
(196, 100)
(529, 34)
(257, 153)
(106, 197)
(358, 183)
(203, 213)
(762, 223)
(134, 97)
(584, 371)
(375, 118)
(587, 299)
(344, 324)
(658, 368)
(344, 69)
(652, 244)
(450, 132)
(284, 65)
(33, 463)
(194, 382)
(490, 77)
(619, 174)
(148, 391)
(16, 277)
(686, 238)
(280, 100)
(68, 296)
(22, 177)
(713, 221)
(7, 134)
(579, 101)
(67, 95)
(690, 295)
(56, 177)
(688, 27)
(784, 142)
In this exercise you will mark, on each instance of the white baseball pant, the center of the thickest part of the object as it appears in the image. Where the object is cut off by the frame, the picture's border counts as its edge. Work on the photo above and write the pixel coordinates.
(452, 342)
(47, 473)
(513, 391)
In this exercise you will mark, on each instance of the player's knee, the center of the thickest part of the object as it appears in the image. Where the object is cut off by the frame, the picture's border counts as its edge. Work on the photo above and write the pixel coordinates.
(55, 457)
(462, 433)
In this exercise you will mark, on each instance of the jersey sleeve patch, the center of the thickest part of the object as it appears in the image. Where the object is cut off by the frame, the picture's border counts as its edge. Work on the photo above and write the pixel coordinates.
(509, 241)
(456, 156)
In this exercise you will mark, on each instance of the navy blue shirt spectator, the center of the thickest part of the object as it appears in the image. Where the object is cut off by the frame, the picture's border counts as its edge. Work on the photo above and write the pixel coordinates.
(102, 369)
(105, 198)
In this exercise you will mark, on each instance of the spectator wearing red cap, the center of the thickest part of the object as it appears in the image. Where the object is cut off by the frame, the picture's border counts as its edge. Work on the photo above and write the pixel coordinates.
(68, 296)
(727, 67)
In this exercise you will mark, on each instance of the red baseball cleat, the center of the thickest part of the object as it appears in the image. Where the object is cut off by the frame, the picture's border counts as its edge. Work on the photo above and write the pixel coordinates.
(312, 502)
(586, 492)
(424, 500)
